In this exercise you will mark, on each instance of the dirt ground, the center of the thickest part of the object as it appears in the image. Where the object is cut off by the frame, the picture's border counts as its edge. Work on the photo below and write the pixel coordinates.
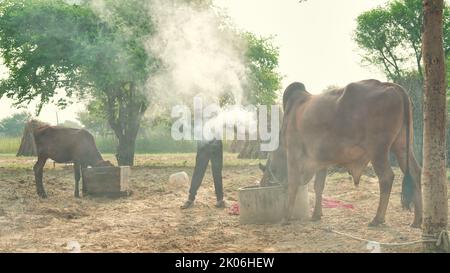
(150, 220)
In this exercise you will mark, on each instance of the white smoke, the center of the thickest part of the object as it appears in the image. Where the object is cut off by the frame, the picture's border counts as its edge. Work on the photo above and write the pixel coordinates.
(232, 122)
(200, 55)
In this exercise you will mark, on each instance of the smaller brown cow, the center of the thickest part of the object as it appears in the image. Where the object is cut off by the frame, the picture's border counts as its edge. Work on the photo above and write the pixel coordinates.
(63, 145)
(350, 127)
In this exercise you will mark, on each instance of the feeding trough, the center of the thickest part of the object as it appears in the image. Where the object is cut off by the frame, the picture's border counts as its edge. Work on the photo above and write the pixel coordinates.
(106, 181)
(266, 205)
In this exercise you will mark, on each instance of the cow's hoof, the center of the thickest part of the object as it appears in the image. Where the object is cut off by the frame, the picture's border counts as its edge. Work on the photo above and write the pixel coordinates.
(416, 225)
(316, 218)
(42, 195)
(375, 223)
(77, 195)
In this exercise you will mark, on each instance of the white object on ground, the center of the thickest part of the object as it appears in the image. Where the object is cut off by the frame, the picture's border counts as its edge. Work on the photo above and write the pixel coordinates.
(73, 247)
(374, 247)
(178, 181)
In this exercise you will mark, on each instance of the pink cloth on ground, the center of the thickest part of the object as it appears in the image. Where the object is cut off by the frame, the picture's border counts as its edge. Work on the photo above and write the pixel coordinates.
(234, 209)
(333, 203)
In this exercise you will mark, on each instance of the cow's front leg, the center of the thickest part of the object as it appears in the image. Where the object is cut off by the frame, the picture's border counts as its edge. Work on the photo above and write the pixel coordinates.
(292, 194)
(38, 169)
(319, 184)
(296, 177)
(293, 183)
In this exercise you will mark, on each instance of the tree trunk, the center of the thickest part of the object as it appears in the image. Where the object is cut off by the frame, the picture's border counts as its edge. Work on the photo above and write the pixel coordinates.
(125, 109)
(125, 150)
(435, 112)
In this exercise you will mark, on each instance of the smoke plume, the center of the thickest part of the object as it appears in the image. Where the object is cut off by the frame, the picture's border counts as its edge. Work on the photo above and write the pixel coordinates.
(200, 55)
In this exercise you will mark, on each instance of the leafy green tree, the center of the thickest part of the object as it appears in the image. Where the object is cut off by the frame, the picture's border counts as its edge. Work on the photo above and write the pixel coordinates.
(262, 61)
(39, 45)
(375, 33)
(391, 37)
(263, 82)
(13, 125)
(49, 45)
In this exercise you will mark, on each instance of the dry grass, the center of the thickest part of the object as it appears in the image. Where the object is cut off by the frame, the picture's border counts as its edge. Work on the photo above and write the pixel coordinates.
(150, 219)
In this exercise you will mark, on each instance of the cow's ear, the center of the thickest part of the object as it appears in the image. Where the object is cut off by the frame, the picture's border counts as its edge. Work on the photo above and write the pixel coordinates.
(262, 167)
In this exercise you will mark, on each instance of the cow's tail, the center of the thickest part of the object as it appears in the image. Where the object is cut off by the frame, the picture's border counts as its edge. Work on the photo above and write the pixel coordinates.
(408, 183)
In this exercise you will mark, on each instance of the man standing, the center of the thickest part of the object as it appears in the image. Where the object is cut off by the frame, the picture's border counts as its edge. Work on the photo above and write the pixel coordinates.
(206, 151)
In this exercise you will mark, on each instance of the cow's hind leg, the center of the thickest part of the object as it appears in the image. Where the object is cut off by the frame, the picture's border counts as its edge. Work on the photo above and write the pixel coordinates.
(386, 177)
(83, 184)
(38, 169)
(319, 184)
(76, 170)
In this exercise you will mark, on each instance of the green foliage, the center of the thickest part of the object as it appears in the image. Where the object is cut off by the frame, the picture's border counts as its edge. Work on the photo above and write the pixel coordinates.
(118, 57)
(262, 62)
(40, 43)
(49, 44)
(390, 37)
(13, 125)
(375, 33)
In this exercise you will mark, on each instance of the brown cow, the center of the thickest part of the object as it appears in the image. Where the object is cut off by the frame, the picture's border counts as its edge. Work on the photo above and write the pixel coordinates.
(63, 145)
(349, 127)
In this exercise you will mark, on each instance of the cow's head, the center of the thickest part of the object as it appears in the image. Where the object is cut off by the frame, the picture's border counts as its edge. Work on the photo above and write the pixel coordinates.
(275, 171)
(103, 163)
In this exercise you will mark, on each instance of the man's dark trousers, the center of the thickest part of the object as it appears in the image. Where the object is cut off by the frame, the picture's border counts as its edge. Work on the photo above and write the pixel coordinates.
(212, 150)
